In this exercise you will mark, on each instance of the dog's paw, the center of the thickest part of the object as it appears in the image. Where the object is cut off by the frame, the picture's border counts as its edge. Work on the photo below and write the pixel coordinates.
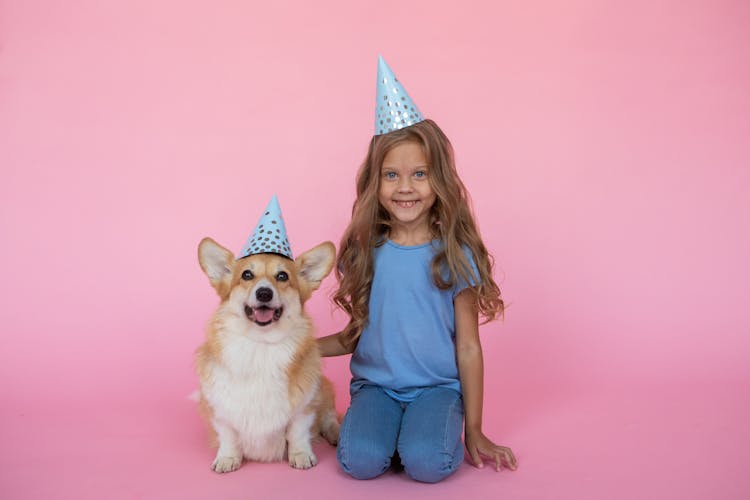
(226, 464)
(302, 460)
(331, 433)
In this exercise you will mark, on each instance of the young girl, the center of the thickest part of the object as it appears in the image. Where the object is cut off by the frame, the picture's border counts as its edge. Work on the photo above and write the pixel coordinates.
(414, 276)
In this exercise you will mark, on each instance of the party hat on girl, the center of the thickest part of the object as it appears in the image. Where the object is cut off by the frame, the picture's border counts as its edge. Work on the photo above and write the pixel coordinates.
(394, 109)
(269, 235)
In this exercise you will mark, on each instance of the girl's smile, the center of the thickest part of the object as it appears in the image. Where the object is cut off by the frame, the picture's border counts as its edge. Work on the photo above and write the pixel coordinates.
(406, 204)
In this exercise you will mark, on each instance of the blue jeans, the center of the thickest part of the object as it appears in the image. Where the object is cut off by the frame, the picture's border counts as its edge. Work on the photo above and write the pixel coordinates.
(426, 433)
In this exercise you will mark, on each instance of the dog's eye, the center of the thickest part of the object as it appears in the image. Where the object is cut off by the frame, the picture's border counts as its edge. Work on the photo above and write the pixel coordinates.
(247, 275)
(282, 276)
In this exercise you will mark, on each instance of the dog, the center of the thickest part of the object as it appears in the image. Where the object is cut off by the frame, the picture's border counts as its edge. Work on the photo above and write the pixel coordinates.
(261, 386)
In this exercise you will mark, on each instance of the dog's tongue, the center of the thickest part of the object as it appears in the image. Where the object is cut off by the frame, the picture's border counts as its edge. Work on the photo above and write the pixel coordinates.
(263, 314)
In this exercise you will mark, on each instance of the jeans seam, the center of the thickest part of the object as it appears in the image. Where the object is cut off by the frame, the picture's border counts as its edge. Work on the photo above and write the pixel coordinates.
(342, 449)
(448, 454)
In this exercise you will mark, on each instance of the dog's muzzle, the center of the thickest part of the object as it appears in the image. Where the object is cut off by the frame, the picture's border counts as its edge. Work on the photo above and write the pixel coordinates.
(263, 314)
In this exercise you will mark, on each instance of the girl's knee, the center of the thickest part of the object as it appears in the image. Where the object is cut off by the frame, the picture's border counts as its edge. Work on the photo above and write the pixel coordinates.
(362, 460)
(362, 466)
(430, 468)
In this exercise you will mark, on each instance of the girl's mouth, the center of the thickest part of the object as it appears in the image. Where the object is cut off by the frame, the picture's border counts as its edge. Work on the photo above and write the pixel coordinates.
(406, 204)
(263, 315)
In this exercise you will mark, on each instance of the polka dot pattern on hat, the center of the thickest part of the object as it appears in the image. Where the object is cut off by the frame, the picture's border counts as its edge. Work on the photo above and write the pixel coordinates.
(394, 109)
(269, 235)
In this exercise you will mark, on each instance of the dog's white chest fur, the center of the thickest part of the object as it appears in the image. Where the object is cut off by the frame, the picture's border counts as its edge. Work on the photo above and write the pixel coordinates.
(249, 391)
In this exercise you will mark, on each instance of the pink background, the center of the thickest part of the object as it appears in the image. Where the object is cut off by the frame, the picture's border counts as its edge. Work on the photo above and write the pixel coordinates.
(605, 145)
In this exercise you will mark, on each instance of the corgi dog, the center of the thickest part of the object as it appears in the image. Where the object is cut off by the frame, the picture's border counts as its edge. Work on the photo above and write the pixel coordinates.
(261, 387)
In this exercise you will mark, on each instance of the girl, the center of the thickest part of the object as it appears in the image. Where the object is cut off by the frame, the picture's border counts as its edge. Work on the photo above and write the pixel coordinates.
(414, 276)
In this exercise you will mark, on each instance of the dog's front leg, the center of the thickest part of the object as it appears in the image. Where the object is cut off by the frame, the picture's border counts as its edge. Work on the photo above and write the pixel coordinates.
(229, 456)
(298, 438)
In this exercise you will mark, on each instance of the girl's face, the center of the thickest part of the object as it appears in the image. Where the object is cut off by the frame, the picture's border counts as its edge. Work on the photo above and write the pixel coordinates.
(405, 190)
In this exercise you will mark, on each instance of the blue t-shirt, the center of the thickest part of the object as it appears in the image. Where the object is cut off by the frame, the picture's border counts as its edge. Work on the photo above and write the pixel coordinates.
(409, 341)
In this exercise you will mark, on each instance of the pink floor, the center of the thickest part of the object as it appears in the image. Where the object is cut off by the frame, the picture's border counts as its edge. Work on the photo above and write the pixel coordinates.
(681, 441)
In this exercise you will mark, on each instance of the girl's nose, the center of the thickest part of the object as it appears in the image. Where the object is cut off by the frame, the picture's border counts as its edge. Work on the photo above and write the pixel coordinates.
(404, 186)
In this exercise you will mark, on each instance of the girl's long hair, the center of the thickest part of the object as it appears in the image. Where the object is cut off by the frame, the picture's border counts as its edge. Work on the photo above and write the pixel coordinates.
(451, 222)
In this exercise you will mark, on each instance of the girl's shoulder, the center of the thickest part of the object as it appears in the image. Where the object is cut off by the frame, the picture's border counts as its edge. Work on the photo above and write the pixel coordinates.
(439, 245)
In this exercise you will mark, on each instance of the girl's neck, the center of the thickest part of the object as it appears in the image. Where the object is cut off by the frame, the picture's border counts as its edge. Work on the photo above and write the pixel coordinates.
(410, 236)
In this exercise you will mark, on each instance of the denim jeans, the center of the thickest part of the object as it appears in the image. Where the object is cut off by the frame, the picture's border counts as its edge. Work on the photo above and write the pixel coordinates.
(426, 433)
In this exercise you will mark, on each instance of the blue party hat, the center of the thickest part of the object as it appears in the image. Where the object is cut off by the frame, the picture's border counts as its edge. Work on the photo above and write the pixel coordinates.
(269, 235)
(394, 109)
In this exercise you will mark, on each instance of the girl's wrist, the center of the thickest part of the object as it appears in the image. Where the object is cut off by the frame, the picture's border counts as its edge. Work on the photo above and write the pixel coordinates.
(473, 430)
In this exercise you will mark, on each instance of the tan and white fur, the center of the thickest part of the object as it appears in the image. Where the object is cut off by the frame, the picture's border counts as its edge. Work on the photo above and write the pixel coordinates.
(261, 386)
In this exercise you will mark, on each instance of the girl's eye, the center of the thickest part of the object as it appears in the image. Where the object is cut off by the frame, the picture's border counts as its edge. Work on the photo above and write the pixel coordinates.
(282, 276)
(390, 175)
(420, 174)
(247, 275)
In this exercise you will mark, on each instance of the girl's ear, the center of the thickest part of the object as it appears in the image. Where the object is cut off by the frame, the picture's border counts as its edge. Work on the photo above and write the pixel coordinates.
(313, 266)
(216, 262)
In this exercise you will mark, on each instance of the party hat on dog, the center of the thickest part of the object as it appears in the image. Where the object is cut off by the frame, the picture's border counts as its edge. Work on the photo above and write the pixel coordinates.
(269, 235)
(394, 109)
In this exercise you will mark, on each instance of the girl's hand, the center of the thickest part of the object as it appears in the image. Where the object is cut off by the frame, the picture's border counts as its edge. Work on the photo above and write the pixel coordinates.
(478, 445)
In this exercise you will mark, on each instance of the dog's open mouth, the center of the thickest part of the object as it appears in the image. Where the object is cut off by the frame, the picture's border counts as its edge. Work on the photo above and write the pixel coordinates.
(263, 315)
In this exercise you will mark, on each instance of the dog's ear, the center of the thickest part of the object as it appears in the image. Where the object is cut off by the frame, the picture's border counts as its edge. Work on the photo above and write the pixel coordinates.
(216, 261)
(313, 266)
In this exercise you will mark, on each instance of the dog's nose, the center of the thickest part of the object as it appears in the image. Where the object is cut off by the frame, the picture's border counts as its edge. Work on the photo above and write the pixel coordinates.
(264, 294)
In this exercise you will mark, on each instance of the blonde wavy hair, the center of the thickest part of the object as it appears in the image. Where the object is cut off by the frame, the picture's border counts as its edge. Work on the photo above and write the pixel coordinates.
(451, 222)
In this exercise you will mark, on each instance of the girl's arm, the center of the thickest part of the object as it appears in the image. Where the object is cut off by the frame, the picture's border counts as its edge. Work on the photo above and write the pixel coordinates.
(471, 373)
(331, 346)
